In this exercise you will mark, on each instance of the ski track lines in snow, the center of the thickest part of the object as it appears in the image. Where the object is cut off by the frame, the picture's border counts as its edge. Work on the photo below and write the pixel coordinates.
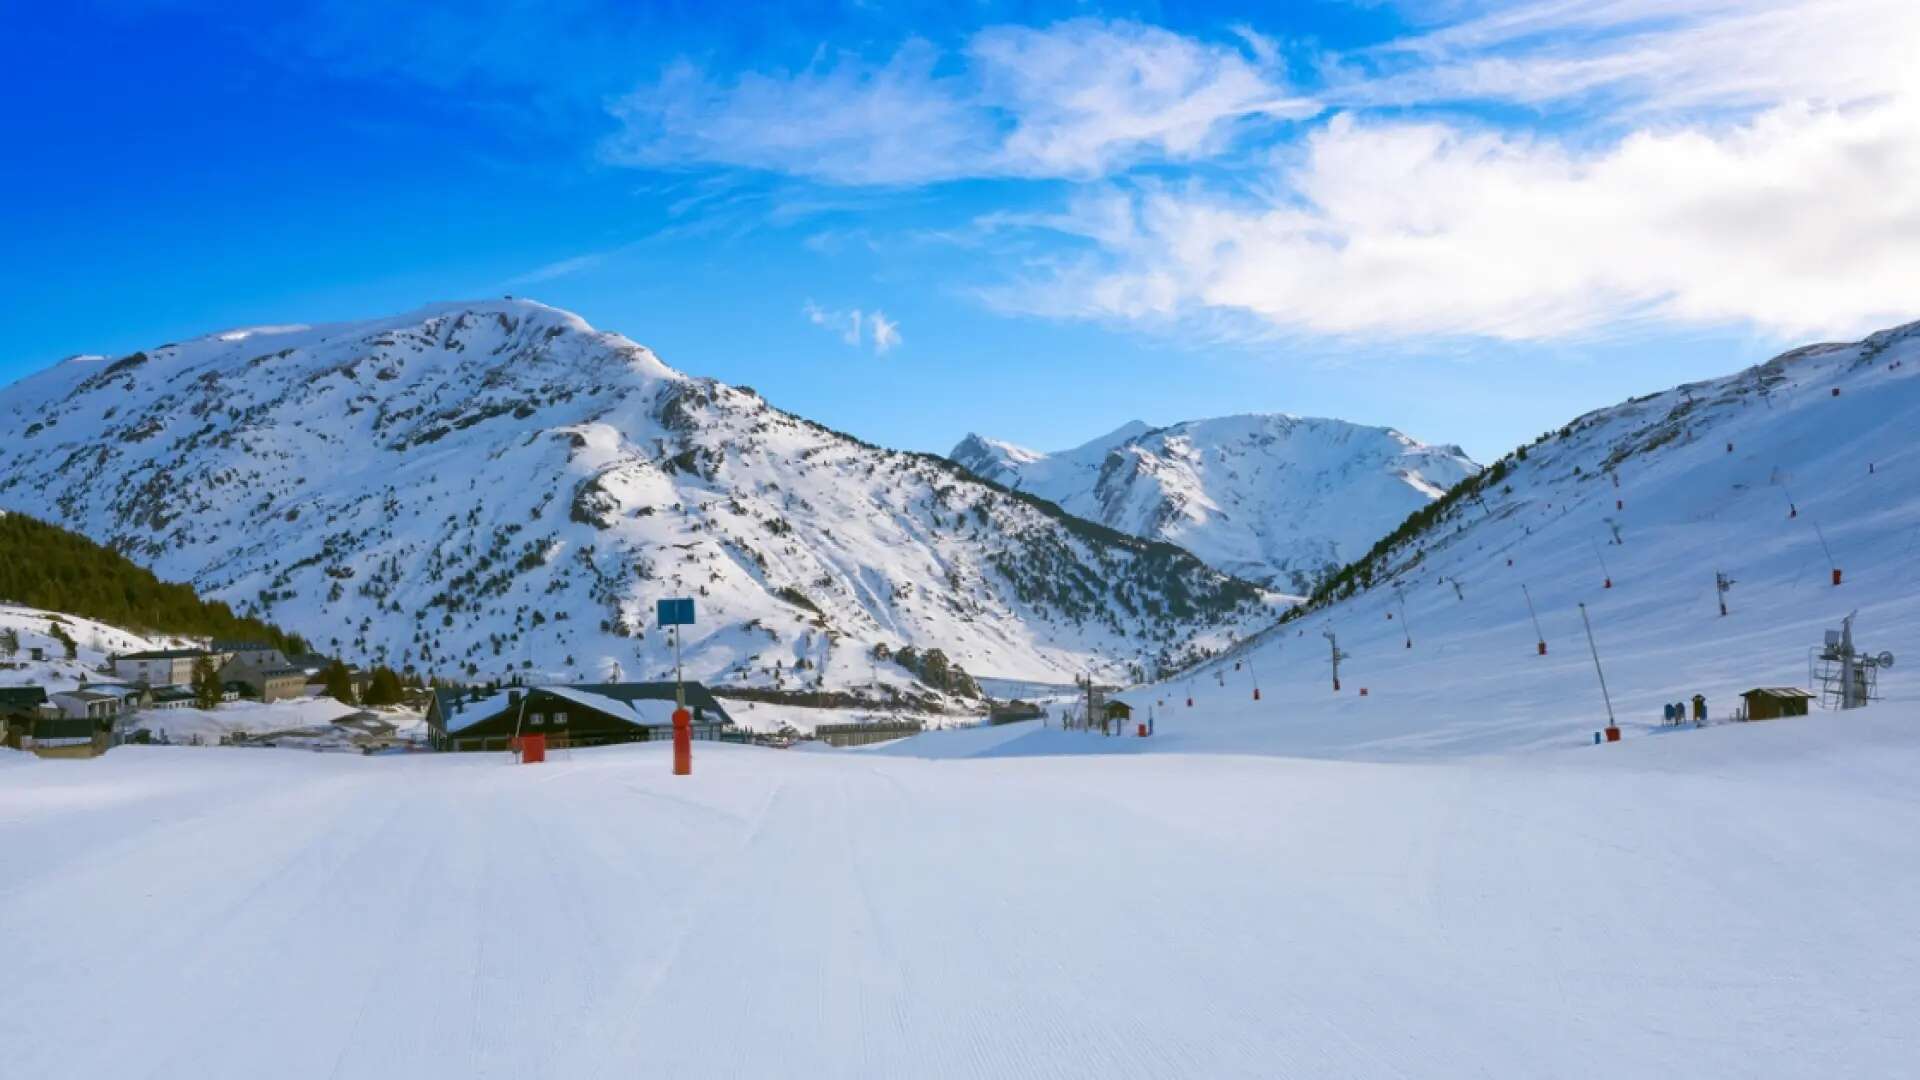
(1734, 901)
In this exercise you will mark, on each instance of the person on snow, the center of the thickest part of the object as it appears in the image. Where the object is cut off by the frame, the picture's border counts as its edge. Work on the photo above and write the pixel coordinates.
(1699, 709)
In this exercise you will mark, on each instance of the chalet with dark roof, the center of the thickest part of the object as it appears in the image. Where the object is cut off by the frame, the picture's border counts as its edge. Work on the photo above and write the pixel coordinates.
(582, 714)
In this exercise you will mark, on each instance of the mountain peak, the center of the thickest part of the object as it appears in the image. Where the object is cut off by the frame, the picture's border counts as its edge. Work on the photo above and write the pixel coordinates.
(1267, 496)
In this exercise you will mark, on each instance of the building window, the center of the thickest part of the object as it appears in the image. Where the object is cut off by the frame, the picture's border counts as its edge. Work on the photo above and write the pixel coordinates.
(537, 719)
(559, 718)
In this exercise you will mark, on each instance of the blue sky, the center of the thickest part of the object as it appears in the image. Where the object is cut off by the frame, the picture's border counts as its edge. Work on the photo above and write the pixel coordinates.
(1467, 220)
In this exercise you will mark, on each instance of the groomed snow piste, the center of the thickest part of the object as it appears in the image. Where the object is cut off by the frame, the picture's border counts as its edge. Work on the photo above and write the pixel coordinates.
(1736, 901)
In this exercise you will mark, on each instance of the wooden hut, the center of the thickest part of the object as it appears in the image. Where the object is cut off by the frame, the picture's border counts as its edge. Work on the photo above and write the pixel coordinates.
(1774, 702)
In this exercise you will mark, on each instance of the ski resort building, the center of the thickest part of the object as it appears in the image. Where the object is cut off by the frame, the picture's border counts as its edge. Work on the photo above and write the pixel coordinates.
(97, 705)
(587, 714)
(159, 667)
(251, 653)
(1774, 702)
(266, 674)
(866, 733)
(21, 707)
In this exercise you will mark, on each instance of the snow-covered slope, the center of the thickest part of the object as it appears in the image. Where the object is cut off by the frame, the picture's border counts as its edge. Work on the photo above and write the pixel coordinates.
(1273, 498)
(1737, 905)
(1759, 475)
(27, 632)
(478, 487)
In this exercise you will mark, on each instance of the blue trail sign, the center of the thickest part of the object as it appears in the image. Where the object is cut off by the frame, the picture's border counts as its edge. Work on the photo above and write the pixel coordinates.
(677, 611)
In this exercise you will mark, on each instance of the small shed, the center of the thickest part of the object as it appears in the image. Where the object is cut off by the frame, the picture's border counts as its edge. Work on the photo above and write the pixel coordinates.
(1119, 710)
(1012, 712)
(1774, 702)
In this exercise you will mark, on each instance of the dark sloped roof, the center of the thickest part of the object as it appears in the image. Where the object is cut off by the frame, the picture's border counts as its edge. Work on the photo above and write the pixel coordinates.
(22, 697)
(697, 693)
(164, 654)
(88, 695)
(698, 696)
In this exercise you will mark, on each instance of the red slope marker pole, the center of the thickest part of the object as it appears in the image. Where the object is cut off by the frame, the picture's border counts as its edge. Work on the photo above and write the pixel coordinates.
(682, 742)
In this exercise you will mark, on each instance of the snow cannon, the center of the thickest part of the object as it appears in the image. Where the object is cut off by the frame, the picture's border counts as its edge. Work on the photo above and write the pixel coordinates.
(682, 742)
(1189, 701)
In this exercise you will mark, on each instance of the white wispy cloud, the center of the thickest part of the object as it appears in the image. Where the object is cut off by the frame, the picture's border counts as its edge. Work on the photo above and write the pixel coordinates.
(886, 332)
(1077, 99)
(560, 268)
(856, 327)
(1697, 161)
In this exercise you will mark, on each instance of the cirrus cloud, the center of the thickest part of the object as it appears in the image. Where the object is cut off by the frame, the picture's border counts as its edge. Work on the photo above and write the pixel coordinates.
(1078, 99)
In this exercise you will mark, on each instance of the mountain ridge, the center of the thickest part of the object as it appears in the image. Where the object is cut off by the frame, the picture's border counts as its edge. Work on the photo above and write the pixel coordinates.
(491, 487)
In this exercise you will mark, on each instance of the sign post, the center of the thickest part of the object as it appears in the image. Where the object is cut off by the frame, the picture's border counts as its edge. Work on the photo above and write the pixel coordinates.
(677, 612)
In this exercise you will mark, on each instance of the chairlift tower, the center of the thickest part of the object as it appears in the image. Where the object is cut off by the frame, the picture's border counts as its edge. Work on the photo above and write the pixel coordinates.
(1333, 647)
(1848, 678)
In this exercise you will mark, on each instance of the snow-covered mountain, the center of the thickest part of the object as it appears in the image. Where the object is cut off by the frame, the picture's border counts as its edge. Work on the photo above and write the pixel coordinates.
(1776, 477)
(481, 487)
(1272, 498)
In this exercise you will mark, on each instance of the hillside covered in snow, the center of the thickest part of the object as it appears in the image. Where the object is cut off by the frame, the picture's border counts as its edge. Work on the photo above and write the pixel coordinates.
(59, 651)
(479, 488)
(1778, 477)
(1274, 498)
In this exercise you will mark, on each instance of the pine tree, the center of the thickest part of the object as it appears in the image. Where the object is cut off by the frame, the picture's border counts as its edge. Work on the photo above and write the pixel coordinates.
(339, 683)
(206, 683)
(59, 632)
(385, 688)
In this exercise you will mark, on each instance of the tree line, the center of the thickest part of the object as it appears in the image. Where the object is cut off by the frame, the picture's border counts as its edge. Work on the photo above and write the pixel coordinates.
(45, 566)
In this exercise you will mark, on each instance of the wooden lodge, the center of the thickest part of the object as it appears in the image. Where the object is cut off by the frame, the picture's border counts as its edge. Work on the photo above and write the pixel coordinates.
(1774, 702)
(585, 714)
